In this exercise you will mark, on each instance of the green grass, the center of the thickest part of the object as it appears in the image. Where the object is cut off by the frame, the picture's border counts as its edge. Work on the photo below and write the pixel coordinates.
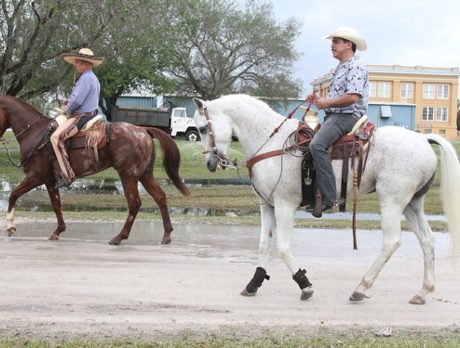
(414, 339)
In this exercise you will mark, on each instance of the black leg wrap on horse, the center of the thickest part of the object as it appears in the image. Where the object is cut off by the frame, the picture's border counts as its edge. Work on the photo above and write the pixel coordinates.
(257, 280)
(301, 279)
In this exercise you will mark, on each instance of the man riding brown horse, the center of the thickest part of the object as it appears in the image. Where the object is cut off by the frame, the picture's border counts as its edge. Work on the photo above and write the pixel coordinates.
(80, 108)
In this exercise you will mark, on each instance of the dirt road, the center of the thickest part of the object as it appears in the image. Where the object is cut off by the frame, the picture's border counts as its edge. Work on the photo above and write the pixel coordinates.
(82, 287)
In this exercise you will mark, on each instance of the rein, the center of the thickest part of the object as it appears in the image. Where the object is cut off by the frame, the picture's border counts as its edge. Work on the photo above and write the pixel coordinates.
(256, 158)
(6, 145)
(37, 147)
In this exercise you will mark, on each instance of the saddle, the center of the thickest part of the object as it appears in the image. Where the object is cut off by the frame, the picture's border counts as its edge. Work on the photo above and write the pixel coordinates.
(351, 146)
(93, 135)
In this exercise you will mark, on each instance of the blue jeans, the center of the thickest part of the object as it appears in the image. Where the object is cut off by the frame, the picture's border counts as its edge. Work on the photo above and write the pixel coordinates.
(333, 127)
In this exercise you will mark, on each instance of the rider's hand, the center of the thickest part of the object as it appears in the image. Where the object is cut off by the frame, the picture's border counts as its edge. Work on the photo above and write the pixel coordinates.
(312, 97)
(321, 103)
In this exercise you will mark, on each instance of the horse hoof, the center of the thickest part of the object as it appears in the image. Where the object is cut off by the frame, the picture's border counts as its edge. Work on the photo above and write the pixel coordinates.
(114, 242)
(246, 293)
(306, 293)
(11, 231)
(53, 237)
(166, 241)
(417, 299)
(358, 296)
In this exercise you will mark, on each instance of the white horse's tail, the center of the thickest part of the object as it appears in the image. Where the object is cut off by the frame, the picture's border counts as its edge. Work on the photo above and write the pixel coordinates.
(450, 189)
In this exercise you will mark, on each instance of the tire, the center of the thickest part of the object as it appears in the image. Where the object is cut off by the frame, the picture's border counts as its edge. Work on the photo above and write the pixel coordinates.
(192, 135)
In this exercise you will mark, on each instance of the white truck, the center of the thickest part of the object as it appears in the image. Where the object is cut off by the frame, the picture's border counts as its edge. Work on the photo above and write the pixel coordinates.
(173, 120)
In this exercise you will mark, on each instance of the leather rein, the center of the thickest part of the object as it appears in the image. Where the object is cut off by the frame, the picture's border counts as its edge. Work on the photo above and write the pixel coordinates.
(256, 158)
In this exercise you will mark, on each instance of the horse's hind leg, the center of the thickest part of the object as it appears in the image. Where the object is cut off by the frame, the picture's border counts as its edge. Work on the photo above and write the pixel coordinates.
(55, 199)
(415, 215)
(155, 190)
(134, 203)
(267, 229)
(391, 229)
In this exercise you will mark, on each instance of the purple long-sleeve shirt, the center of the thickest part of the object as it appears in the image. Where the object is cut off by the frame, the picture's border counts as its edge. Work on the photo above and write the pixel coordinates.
(85, 94)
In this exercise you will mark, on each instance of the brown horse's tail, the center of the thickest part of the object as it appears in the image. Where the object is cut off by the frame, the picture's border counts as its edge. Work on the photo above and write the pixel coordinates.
(171, 157)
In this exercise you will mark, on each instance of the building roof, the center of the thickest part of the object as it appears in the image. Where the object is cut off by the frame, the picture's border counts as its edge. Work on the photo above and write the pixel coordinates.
(399, 70)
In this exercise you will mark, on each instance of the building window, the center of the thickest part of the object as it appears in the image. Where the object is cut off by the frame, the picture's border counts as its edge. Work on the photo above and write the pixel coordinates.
(407, 90)
(443, 91)
(427, 113)
(441, 114)
(372, 89)
(384, 89)
(428, 90)
(442, 131)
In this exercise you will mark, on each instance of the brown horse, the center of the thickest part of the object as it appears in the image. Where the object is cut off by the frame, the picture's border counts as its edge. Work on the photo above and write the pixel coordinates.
(129, 150)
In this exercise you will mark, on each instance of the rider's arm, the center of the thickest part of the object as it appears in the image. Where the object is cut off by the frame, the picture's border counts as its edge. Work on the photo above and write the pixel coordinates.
(71, 107)
(79, 94)
(339, 102)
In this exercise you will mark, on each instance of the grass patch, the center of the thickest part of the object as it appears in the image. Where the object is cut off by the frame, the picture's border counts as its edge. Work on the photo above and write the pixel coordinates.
(351, 339)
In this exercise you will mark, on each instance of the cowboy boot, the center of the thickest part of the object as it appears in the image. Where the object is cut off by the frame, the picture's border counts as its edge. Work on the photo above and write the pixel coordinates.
(71, 175)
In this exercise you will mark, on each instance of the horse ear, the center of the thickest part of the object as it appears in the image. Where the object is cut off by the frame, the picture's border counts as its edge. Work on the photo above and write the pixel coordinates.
(199, 105)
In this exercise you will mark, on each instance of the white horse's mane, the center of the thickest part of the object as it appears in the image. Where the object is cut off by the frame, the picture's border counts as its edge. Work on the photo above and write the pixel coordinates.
(233, 102)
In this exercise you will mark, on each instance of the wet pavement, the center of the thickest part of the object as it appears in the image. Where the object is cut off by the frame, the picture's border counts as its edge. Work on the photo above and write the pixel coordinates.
(82, 287)
(219, 239)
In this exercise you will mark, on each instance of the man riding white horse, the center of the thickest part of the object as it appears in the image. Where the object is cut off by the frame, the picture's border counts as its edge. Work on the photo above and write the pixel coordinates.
(345, 104)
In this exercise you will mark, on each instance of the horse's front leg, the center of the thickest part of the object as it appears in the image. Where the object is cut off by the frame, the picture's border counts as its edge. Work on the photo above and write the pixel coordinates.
(134, 204)
(267, 230)
(284, 213)
(55, 200)
(29, 182)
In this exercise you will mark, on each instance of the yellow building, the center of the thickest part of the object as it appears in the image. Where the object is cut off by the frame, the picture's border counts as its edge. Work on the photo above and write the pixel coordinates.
(433, 91)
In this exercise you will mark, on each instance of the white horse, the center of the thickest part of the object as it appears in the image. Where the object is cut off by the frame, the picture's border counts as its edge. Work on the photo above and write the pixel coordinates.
(400, 168)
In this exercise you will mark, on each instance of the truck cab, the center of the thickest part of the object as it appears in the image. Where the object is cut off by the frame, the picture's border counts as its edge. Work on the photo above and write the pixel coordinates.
(183, 125)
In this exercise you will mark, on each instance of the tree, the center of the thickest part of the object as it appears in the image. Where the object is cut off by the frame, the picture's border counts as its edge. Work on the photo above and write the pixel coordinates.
(137, 52)
(222, 49)
(128, 33)
(35, 33)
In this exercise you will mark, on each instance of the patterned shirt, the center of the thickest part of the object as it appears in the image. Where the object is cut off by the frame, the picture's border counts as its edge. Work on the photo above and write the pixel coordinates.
(350, 78)
(85, 94)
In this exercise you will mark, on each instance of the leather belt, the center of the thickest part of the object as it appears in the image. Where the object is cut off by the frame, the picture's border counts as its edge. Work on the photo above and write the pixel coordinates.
(81, 114)
(341, 113)
(355, 116)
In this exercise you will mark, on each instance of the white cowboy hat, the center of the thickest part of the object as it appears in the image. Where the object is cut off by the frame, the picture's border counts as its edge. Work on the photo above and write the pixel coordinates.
(349, 34)
(84, 54)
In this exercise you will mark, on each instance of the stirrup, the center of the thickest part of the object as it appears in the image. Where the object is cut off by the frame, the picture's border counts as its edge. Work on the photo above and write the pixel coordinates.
(61, 182)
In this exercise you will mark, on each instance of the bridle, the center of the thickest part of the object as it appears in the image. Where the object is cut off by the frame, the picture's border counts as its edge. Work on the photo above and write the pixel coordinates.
(223, 160)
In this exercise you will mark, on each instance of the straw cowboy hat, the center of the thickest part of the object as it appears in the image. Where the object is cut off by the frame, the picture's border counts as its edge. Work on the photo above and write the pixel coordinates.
(349, 34)
(84, 54)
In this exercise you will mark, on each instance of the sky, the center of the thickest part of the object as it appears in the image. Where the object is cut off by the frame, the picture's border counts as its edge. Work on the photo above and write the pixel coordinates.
(403, 32)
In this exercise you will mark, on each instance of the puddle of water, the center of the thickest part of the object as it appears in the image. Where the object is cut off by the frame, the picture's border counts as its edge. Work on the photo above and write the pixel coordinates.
(115, 187)
(224, 241)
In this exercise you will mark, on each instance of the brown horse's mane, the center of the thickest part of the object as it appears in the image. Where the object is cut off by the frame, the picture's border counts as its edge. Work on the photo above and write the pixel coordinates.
(29, 108)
